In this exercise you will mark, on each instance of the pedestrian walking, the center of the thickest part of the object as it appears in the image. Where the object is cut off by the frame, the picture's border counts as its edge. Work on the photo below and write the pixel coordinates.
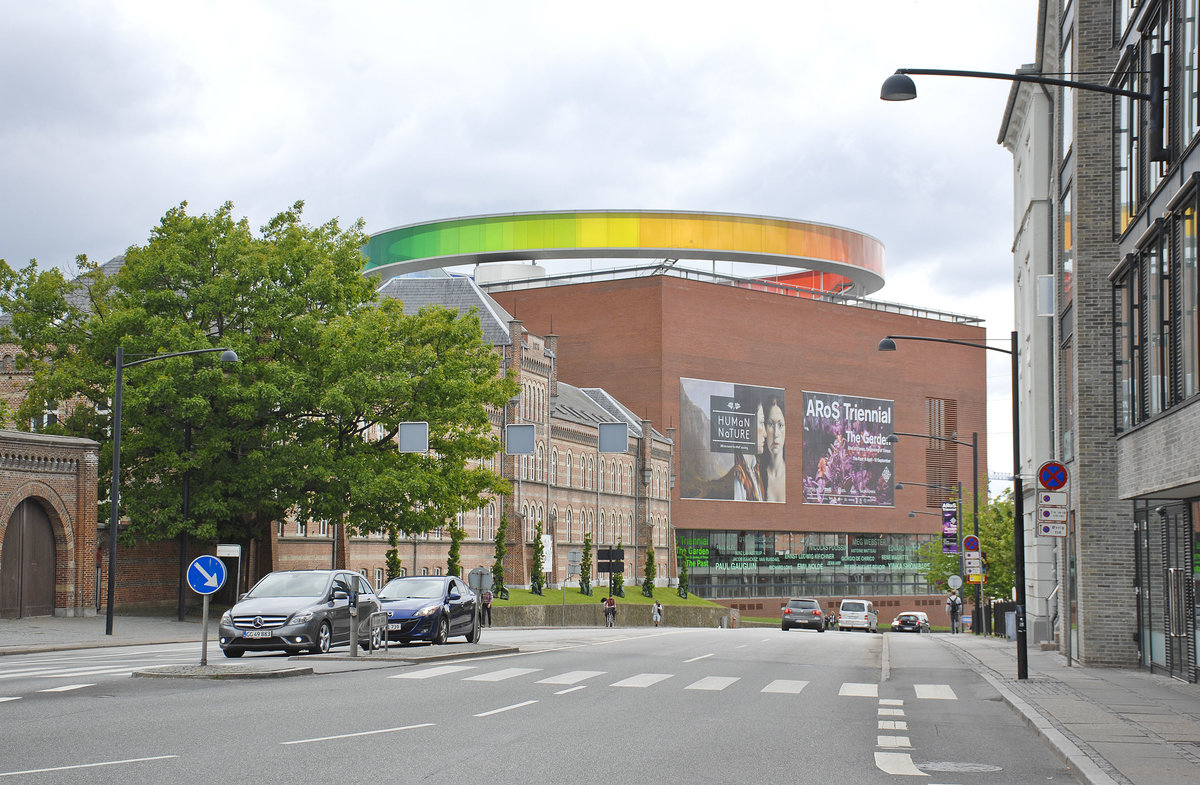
(656, 613)
(954, 606)
(487, 608)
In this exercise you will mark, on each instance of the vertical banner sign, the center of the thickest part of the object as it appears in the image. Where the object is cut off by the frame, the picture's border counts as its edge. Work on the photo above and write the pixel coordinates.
(949, 527)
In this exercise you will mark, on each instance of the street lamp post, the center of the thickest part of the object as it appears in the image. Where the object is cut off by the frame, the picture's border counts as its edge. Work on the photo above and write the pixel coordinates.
(227, 355)
(974, 445)
(888, 344)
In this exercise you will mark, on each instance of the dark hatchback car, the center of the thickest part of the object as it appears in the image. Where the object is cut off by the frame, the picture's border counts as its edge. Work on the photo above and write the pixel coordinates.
(910, 621)
(300, 610)
(803, 613)
(429, 608)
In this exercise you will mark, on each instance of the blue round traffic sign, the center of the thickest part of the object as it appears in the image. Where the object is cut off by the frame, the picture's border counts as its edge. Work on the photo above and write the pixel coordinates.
(970, 543)
(1052, 475)
(206, 574)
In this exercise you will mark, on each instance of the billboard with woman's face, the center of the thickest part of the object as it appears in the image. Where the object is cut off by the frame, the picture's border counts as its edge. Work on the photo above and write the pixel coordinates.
(847, 456)
(732, 441)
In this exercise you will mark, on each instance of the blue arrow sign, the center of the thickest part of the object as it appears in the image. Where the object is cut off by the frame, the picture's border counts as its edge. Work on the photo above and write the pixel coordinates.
(206, 574)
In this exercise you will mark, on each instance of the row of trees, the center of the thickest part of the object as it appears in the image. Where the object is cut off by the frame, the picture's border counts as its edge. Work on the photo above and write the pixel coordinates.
(305, 424)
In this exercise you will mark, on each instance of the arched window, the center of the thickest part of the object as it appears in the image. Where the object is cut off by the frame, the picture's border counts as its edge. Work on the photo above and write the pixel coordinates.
(491, 529)
(569, 468)
(600, 531)
(528, 522)
(591, 481)
(569, 525)
(554, 466)
(541, 476)
(600, 475)
(615, 485)
(631, 486)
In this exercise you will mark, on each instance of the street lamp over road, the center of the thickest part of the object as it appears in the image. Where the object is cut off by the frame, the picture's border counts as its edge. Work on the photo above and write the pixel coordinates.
(227, 356)
(898, 87)
(888, 344)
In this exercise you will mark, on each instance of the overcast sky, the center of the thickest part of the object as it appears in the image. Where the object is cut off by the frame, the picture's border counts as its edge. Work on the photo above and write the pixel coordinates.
(400, 112)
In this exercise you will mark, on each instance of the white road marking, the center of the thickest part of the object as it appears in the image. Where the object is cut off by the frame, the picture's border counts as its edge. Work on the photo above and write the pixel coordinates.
(642, 680)
(2, 700)
(85, 765)
(893, 725)
(502, 674)
(428, 673)
(850, 689)
(701, 657)
(362, 733)
(892, 741)
(714, 683)
(571, 689)
(117, 670)
(68, 688)
(571, 677)
(890, 702)
(26, 672)
(506, 708)
(938, 692)
(891, 712)
(897, 763)
(785, 686)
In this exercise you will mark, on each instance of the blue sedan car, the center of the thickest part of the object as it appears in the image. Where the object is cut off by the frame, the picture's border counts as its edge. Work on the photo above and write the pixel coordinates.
(429, 608)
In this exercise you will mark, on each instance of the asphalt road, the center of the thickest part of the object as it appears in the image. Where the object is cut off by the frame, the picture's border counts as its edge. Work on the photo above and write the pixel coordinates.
(578, 706)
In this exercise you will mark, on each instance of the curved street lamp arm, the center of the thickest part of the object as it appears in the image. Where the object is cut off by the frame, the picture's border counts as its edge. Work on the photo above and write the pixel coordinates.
(939, 340)
(1034, 78)
(154, 357)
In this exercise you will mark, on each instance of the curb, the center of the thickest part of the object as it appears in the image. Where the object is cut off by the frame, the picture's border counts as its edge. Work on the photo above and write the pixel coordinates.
(219, 672)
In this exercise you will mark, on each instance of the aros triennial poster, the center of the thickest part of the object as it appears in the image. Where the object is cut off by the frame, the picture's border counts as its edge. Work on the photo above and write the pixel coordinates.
(847, 457)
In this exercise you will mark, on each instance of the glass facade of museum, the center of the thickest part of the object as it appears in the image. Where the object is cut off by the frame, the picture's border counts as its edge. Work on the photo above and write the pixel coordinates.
(729, 564)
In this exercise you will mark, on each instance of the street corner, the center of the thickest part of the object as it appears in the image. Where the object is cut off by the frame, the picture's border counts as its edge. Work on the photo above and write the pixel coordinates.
(222, 671)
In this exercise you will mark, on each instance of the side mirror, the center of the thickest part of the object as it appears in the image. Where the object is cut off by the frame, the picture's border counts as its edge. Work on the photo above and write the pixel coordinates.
(339, 594)
(453, 595)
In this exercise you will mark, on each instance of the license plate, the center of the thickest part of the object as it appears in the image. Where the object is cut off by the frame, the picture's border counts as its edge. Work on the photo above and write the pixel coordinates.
(395, 626)
(256, 634)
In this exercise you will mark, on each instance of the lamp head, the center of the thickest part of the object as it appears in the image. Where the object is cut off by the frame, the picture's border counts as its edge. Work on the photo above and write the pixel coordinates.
(229, 356)
(898, 87)
(899, 486)
(887, 345)
(912, 515)
(893, 438)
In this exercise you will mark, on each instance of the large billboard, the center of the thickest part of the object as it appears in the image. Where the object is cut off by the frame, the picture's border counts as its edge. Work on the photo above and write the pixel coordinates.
(732, 441)
(847, 457)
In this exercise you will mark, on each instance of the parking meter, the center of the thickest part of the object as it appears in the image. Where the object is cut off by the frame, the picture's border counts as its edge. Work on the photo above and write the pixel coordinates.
(352, 602)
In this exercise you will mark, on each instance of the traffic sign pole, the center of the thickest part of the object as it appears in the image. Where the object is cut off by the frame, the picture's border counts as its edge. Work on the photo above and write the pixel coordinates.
(206, 574)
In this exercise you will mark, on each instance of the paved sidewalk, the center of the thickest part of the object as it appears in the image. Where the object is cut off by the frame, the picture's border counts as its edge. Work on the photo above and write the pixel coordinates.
(57, 633)
(1112, 726)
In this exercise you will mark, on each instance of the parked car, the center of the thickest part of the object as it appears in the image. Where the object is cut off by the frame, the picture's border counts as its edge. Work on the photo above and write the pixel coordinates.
(430, 608)
(910, 621)
(802, 613)
(858, 615)
(300, 610)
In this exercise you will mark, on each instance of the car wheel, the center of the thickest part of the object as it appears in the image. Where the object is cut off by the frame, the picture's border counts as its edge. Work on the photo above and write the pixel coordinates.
(233, 654)
(820, 629)
(473, 635)
(784, 627)
(324, 639)
(443, 632)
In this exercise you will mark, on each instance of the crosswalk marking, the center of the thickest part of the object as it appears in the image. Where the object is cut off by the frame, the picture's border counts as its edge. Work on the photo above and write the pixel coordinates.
(502, 674)
(897, 763)
(119, 670)
(892, 742)
(713, 683)
(642, 680)
(940, 692)
(890, 702)
(571, 677)
(891, 712)
(429, 673)
(785, 686)
(850, 689)
(893, 725)
(67, 688)
(2, 700)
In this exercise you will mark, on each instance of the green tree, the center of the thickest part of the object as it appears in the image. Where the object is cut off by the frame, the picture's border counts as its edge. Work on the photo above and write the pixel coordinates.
(616, 580)
(454, 557)
(585, 566)
(537, 577)
(996, 543)
(305, 423)
(498, 565)
(392, 556)
(651, 573)
(683, 574)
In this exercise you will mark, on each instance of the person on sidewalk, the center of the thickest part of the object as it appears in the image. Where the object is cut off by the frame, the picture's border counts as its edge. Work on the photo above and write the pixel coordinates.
(486, 612)
(656, 613)
(954, 605)
(610, 611)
